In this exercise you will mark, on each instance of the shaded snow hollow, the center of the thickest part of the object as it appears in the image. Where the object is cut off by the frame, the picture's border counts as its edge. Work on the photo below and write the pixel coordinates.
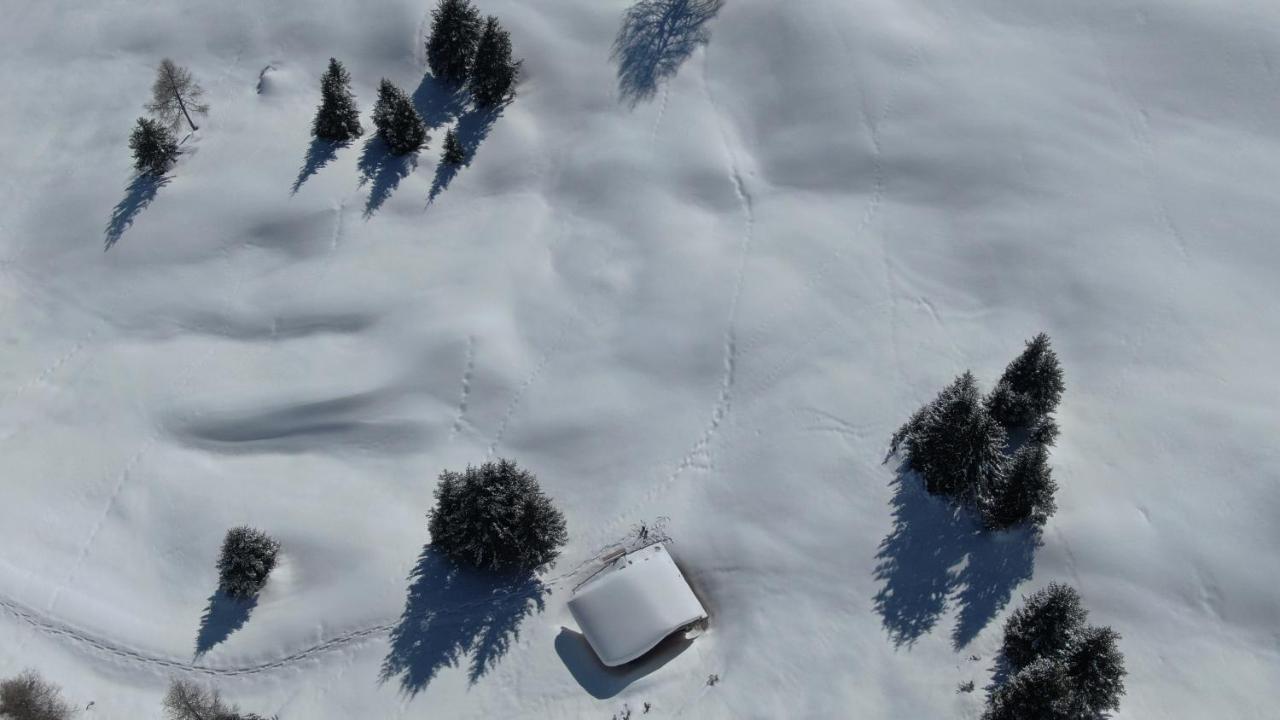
(703, 267)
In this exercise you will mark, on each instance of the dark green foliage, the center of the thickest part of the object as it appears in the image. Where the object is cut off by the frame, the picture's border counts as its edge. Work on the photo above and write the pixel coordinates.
(248, 556)
(30, 697)
(338, 119)
(1030, 388)
(398, 123)
(496, 517)
(1045, 627)
(154, 149)
(494, 73)
(1062, 669)
(1040, 691)
(1096, 668)
(455, 31)
(1026, 491)
(954, 443)
(453, 153)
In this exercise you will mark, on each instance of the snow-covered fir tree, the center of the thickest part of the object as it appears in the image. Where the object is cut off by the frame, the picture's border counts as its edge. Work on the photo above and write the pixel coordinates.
(338, 119)
(455, 31)
(1046, 626)
(494, 73)
(398, 123)
(1096, 669)
(1025, 494)
(954, 443)
(495, 516)
(248, 556)
(1040, 691)
(453, 153)
(154, 148)
(1030, 388)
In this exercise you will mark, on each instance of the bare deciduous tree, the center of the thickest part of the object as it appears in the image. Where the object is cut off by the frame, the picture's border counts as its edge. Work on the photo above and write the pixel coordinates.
(30, 697)
(175, 95)
(188, 700)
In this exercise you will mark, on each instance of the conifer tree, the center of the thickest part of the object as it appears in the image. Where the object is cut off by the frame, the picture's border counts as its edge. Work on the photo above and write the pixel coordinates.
(337, 120)
(1040, 691)
(154, 148)
(248, 556)
(1026, 491)
(1030, 388)
(1045, 627)
(955, 444)
(1096, 669)
(494, 73)
(455, 31)
(495, 517)
(453, 153)
(398, 123)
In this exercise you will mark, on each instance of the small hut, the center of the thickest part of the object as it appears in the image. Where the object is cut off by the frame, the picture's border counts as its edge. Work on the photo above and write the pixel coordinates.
(634, 604)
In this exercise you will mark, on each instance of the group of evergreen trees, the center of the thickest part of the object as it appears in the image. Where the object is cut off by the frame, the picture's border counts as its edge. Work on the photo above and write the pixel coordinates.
(1061, 668)
(992, 453)
(175, 95)
(463, 51)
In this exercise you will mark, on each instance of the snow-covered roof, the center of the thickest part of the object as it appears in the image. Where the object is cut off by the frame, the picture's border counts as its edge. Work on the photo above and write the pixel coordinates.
(629, 608)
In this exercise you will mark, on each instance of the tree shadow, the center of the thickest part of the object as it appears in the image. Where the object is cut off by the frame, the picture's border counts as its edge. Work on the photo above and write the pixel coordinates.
(138, 195)
(222, 616)
(936, 553)
(452, 613)
(319, 154)
(603, 682)
(472, 128)
(438, 102)
(655, 39)
(382, 170)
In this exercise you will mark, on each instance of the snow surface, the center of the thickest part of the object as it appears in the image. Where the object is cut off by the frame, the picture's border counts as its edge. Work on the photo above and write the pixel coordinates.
(711, 293)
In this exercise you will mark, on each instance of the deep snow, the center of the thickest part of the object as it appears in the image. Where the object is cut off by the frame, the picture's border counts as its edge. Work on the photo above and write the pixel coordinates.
(707, 285)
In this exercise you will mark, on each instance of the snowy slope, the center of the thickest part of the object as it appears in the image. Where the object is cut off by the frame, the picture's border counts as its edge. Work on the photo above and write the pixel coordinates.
(709, 293)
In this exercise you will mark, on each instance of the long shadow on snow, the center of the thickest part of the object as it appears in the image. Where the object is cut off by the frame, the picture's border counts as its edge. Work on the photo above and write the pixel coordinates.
(472, 128)
(937, 553)
(451, 613)
(382, 171)
(603, 682)
(222, 616)
(137, 197)
(437, 102)
(319, 154)
(655, 39)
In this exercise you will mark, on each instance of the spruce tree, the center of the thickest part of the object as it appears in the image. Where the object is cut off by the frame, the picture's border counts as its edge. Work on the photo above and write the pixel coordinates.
(154, 148)
(337, 120)
(495, 517)
(1096, 668)
(1040, 691)
(453, 154)
(1030, 388)
(1026, 491)
(398, 123)
(248, 556)
(494, 74)
(955, 444)
(1045, 627)
(455, 31)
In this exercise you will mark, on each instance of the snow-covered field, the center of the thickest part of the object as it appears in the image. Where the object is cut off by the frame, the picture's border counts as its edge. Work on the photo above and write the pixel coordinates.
(707, 287)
